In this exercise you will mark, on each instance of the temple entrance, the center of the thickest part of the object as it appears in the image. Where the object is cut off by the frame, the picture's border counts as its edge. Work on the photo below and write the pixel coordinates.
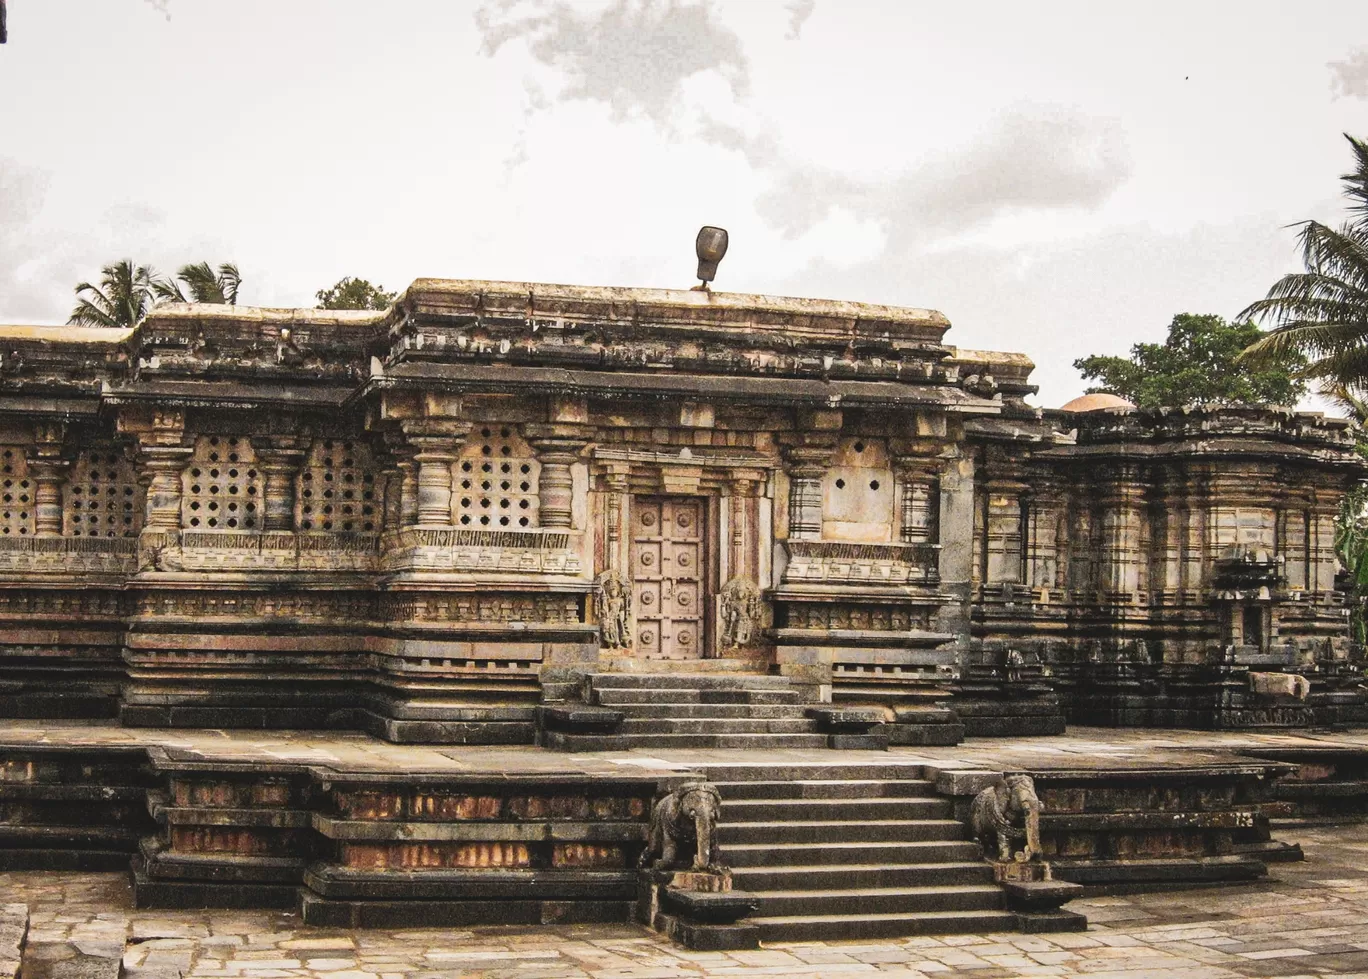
(669, 553)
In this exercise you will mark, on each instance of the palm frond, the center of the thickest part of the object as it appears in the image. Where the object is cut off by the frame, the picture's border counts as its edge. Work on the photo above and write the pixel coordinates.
(229, 279)
(1356, 180)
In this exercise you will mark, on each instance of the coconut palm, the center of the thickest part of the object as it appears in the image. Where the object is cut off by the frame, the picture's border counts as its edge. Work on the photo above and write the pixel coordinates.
(1323, 312)
(122, 299)
(203, 284)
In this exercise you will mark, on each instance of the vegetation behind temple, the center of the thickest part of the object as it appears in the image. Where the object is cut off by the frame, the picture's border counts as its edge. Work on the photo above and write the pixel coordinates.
(1321, 314)
(127, 292)
(1199, 363)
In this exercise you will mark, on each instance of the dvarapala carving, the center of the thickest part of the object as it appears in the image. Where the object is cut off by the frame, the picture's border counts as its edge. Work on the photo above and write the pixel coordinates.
(740, 612)
(614, 605)
(684, 830)
(1006, 811)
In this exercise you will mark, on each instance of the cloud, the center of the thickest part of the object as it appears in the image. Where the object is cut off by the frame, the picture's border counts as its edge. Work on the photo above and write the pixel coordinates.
(26, 273)
(41, 262)
(1350, 77)
(1029, 159)
(163, 5)
(633, 56)
(799, 12)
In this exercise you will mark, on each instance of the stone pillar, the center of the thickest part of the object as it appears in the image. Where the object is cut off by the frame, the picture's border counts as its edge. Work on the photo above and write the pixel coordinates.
(555, 486)
(919, 496)
(48, 469)
(408, 493)
(1046, 506)
(279, 460)
(1003, 533)
(617, 490)
(1122, 501)
(742, 538)
(807, 465)
(434, 459)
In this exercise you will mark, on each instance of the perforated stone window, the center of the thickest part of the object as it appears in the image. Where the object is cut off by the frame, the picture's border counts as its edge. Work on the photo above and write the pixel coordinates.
(221, 486)
(103, 498)
(496, 481)
(338, 488)
(16, 494)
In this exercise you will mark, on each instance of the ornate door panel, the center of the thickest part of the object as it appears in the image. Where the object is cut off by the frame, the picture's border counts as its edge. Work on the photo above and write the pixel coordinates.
(669, 549)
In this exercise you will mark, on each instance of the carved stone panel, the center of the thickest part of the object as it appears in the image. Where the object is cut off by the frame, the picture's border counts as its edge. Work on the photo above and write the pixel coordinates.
(16, 493)
(496, 481)
(103, 498)
(668, 556)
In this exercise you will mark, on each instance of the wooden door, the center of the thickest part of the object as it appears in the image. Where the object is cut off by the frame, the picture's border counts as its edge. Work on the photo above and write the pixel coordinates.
(669, 550)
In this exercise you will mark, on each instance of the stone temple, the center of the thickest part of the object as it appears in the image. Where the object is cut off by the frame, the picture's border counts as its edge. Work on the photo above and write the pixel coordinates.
(304, 609)
(476, 517)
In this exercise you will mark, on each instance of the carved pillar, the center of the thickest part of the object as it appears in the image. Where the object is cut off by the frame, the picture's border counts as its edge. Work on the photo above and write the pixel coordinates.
(279, 459)
(1000, 522)
(616, 484)
(1122, 502)
(556, 486)
(162, 456)
(1046, 507)
(919, 494)
(48, 469)
(434, 459)
(807, 465)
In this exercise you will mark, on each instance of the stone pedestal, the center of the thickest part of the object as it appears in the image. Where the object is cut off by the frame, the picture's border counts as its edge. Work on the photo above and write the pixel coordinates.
(697, 909)
(1036, 897)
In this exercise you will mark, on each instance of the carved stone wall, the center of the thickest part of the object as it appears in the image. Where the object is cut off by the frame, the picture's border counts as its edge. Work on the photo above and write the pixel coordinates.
(404, 521)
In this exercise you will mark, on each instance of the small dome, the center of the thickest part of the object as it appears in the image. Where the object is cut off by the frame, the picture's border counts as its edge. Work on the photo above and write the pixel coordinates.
(1096, 402)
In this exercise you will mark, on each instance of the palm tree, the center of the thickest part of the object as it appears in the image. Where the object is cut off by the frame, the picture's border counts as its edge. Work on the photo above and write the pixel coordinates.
(122, 299)
(1323, 312)
(203, 284)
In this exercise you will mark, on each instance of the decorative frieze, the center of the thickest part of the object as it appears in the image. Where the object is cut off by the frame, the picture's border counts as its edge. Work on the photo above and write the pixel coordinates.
(847, 563)
(487, 609)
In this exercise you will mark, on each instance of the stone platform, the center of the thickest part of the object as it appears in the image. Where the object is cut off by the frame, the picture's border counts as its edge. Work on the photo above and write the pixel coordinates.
(354, 831)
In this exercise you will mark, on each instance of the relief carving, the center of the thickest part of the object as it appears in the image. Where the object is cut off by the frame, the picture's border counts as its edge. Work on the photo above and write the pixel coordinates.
(741, 611)
(614, 605)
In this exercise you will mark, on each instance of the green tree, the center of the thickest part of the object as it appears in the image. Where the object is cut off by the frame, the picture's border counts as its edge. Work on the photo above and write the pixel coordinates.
(350, 293)
(202, 283)
(1322, 313)
(1199, 363)
(123, 297)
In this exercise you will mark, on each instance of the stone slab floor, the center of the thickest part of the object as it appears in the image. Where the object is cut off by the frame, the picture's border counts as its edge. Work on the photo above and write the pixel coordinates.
(1306, 919)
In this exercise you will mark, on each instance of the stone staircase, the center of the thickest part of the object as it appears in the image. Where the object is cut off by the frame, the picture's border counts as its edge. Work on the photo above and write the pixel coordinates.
(853, 852)
(690, 710)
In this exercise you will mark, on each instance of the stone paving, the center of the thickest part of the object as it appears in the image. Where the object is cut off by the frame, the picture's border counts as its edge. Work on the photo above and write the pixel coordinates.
(1080, 747)
(1306, 919)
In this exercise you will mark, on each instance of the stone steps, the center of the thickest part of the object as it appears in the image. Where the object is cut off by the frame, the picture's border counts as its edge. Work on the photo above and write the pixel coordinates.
(689, 681)
(790, 877)
(717, 725)
(846, 831)
(622, 696)
(876, 809)
(778, 712)
(831, 789)
(853, 852)
(837, 927)
(846, 854)
(684, 710)
(881, 900)
(626, 742)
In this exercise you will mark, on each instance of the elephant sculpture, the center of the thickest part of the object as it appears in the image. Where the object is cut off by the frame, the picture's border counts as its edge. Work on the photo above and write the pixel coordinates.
(1006, 811)
(683, 833)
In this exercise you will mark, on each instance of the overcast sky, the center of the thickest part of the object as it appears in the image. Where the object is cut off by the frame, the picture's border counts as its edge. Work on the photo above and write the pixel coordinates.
(1058, 179)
